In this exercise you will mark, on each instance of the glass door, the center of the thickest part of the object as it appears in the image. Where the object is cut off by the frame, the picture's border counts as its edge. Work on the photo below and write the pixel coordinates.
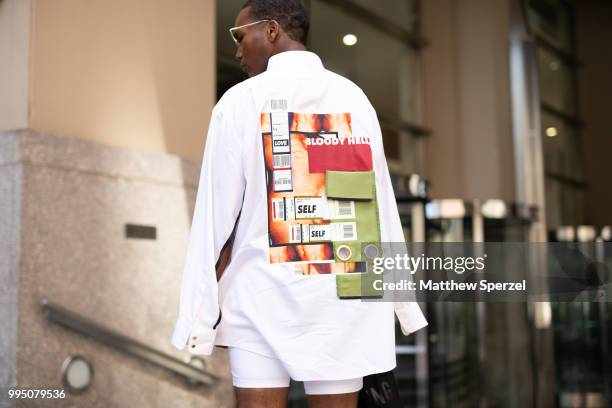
(581, 331)
(477, 351)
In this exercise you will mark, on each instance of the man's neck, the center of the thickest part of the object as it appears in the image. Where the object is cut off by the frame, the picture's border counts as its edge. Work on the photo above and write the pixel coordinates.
(291, 46)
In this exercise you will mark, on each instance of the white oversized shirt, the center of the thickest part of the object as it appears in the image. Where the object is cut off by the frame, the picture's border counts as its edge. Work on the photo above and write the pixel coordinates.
(273, 143)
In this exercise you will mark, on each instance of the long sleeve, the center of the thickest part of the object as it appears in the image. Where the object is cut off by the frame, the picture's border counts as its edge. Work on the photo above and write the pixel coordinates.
(218, 203)
(409, 314)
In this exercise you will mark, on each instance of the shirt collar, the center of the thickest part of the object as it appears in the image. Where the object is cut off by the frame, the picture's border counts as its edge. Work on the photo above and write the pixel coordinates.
(291, 61)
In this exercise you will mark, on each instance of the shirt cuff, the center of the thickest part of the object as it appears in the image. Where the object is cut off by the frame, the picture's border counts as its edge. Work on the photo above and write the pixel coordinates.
(410, 316)
(199, 339)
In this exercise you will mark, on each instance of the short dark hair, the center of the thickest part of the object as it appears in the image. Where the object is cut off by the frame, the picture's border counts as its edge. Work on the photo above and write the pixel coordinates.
(290, 14)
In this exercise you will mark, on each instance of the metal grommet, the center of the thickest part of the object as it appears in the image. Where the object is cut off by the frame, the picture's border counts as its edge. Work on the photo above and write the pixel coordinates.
(344, 252)
(370, 251)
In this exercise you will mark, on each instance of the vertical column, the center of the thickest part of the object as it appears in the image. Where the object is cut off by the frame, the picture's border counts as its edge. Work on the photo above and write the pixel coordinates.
(15, 22)
(10, 249)
(467, 99)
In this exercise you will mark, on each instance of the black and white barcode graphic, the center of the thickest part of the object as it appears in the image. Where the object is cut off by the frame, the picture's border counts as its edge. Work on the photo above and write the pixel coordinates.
(295, 233)
(344, 208)
(278, 104)
(336, 231)
(278, 209)
(281, 160)
(282, 180)
(305, 208)
(348, 231)
(310, 233)
(341, 209)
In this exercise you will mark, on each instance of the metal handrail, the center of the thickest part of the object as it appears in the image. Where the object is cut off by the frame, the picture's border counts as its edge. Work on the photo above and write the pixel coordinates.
(83, 325)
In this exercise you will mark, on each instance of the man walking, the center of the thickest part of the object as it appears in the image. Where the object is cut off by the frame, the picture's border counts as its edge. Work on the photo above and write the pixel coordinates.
(297, 151)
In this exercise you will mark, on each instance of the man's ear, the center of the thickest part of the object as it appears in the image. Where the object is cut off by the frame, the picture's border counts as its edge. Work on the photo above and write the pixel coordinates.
(273, 31)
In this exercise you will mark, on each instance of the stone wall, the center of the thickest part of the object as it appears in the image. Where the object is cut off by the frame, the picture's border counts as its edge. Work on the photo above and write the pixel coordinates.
(65, 203)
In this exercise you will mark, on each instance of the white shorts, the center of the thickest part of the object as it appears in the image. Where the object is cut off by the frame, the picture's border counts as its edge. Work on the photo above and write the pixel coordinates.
(252, 370)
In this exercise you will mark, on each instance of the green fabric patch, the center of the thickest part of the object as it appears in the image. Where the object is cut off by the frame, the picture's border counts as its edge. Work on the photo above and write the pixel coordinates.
(359, 187)
(354, 185)
(350, 285)
(368, 227)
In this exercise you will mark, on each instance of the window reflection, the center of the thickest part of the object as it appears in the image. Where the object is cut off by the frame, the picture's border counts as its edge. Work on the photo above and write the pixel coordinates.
(553, 21)
(563, 162)
(402, 13)
(556, 82)
(384, 66)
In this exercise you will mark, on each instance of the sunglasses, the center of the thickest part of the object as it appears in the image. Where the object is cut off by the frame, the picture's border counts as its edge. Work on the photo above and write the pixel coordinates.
(234, 29)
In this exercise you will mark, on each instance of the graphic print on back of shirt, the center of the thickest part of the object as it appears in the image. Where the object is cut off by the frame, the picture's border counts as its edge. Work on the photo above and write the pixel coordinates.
(306, 155)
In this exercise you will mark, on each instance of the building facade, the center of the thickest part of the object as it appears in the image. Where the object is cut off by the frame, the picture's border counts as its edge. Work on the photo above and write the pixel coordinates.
(104, 107)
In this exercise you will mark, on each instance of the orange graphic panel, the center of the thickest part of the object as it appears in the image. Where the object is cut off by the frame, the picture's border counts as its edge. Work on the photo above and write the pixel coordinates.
(298, 224)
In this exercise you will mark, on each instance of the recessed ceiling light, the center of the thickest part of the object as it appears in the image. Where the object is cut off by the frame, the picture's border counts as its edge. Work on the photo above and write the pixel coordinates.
(551, 131)
(349, 40)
